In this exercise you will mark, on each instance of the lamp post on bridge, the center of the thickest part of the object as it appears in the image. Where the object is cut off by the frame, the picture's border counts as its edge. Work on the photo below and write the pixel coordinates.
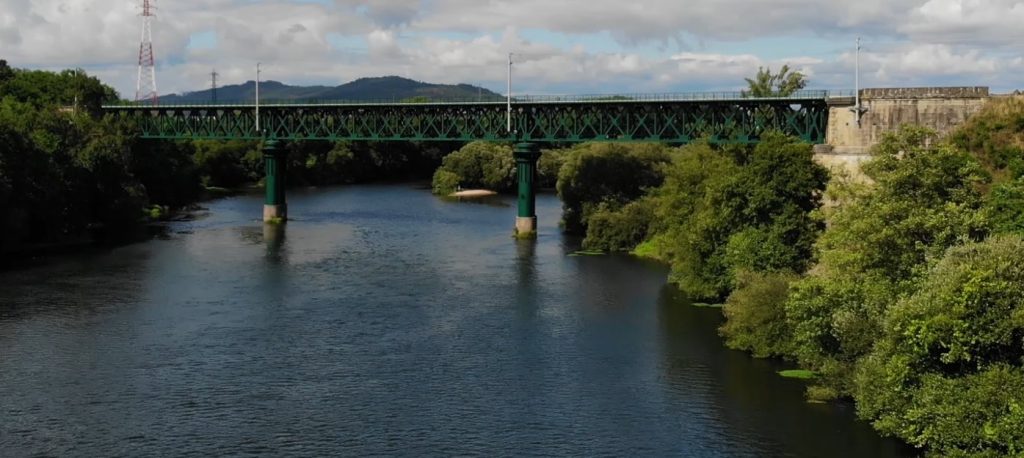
(857, 108)
(508, 97)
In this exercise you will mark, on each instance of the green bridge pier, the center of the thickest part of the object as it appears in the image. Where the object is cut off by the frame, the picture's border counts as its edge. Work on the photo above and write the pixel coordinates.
(275, 208)
(526, 156)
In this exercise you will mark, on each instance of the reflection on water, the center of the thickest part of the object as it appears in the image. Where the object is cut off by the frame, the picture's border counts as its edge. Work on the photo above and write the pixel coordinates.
(273, 239)
(383, 320)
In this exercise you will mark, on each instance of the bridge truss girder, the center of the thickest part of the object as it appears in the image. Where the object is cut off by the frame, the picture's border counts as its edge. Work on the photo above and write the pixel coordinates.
(741, 121)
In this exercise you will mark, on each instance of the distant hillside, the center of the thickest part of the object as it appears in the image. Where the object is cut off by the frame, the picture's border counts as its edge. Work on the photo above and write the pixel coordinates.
(363, 89)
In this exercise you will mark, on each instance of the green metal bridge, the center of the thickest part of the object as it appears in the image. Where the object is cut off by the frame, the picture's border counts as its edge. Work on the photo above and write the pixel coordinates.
(666, 118)
(670, 118)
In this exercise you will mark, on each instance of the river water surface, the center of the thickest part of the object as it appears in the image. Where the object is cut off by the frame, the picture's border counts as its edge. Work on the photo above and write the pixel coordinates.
(383, 320)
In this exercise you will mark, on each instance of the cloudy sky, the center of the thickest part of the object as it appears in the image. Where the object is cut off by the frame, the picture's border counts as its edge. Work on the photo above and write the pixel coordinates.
(561, 46)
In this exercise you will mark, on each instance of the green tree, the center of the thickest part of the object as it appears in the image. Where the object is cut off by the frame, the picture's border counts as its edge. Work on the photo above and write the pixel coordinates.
(1005, 207)
(619, 229)
(6, 72)
(948, 370)
(721, 211)
(768, 84)
(222, 163)
(608, 174)
(995, 136)
(880, 242)
(480, 164)
(445, 182)
(756, 314)
(167, 172)
(548, 166)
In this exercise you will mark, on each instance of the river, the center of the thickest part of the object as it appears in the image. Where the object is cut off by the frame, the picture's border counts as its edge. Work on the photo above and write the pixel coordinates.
(384, 321)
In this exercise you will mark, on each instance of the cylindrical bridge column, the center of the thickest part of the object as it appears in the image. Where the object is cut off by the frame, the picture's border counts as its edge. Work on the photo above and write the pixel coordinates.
(526, 155)
(275, 208)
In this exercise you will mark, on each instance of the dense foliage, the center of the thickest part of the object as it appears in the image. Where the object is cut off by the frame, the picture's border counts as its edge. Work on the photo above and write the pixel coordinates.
(477, 165)
(880, 242)
(756, 314)
(606, 176)
(492, 166)
(65, 174)
(948, 369)
(995, 136)
(722, 211)
(613, 227)
(69, 175)
(914, 306)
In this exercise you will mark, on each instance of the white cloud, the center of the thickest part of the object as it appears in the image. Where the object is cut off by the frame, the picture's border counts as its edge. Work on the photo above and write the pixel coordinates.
(977, 22)
(651, 45)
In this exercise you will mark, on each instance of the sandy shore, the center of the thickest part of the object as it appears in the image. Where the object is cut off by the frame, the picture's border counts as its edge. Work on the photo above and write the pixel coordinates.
(473, 193)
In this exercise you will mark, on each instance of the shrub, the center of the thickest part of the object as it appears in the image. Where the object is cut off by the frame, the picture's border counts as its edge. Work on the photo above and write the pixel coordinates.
(445, 182)
(947, 372)
(756, 314)
(1005, 207)
(995, 136)
(614, 174)
(880, 242)
(724, 210)
(621, 229)
(549, 164)
(481, 164)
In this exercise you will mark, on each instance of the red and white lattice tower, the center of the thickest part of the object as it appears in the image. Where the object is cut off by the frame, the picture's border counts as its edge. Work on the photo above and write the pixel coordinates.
(145, 87)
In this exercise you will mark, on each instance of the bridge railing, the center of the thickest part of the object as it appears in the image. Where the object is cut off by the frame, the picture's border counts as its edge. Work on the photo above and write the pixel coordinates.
(584, 98)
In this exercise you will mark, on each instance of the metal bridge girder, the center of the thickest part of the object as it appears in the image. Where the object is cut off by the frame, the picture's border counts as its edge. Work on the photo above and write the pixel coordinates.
(719, 121)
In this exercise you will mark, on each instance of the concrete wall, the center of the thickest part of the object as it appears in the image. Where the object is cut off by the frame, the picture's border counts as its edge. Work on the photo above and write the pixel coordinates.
(940, 108)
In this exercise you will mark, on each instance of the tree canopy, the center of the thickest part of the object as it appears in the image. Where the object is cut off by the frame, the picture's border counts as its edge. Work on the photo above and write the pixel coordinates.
(781, 84)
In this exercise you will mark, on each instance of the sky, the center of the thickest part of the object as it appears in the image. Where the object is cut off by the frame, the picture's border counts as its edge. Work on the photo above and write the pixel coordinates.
(558, 46)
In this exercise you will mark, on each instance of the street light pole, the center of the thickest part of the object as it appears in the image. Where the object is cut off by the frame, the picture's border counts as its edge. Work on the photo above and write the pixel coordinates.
(509, 114)
(856, 80)
(856, 83)
(258, 131)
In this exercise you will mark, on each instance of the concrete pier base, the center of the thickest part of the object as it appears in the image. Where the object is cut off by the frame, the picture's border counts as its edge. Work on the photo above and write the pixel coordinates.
(526, 227)
(275, 213)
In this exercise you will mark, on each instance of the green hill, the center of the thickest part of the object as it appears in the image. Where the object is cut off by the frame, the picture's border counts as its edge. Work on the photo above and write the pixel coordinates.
(385, 88)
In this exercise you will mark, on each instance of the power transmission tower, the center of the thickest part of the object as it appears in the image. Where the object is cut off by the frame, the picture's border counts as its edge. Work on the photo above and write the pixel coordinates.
(145, 86)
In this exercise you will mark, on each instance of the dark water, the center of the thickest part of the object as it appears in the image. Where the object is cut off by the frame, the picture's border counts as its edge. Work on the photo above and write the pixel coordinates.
(383, 321)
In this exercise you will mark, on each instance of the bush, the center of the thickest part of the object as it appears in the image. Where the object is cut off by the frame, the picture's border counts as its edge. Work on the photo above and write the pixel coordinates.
(621, 229)
(995, 137)
(222, 164)
(445, 182)
(756, 314)
(548, 166)
(725, 210)
(1005, 207)
(480, 164)
(880, 242)
(947, 372)
(606, 173)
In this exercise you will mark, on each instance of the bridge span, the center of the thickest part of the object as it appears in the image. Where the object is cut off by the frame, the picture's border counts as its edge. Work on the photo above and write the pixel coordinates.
(666, 118)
